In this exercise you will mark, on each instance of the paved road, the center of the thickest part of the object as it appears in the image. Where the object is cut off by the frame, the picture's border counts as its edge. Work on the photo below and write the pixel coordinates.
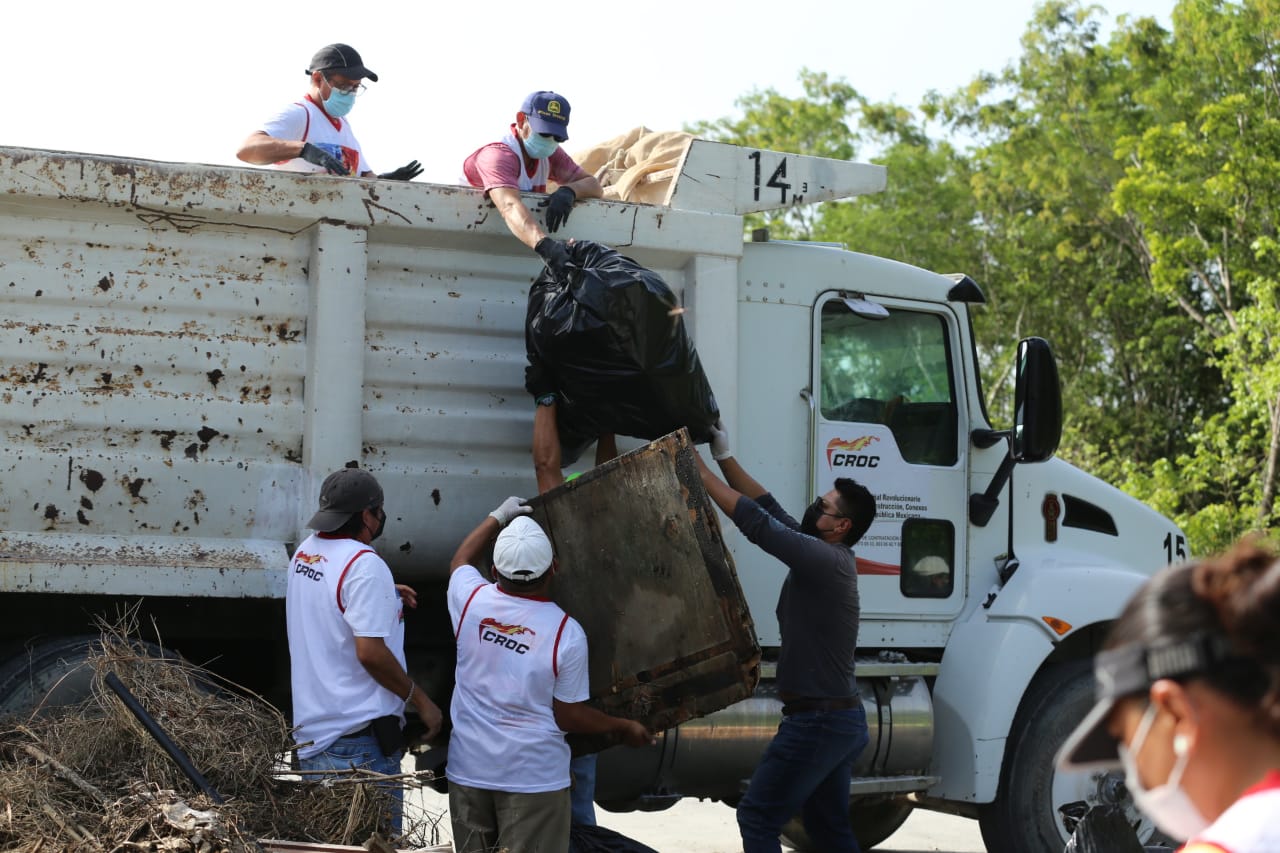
(694, 827)
(704, 827)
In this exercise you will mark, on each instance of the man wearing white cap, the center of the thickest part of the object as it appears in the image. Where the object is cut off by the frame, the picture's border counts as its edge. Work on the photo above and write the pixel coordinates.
(930, 577)
(521, 683)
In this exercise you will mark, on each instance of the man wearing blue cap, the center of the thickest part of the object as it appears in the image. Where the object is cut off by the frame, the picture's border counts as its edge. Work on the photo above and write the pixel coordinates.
(523, 161)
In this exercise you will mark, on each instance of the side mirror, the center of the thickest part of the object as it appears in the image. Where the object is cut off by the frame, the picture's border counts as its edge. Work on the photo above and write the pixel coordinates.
(1037, 417)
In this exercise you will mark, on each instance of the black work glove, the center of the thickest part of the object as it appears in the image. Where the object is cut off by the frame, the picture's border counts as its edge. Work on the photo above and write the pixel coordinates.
(558, 205)
(539, 381)
(407, 172)
(323, 158)
(556, 255)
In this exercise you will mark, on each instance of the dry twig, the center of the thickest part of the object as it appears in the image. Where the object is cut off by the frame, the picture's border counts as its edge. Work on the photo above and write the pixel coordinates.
(90, 775)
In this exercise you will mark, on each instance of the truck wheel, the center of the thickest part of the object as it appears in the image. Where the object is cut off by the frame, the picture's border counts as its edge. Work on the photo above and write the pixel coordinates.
(52, 672)
(872, 823)
(1025, 816)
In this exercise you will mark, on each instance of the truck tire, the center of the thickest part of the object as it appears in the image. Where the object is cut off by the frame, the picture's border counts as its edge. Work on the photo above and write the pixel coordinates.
(1024, 817)
(872, 824)
(52, 672)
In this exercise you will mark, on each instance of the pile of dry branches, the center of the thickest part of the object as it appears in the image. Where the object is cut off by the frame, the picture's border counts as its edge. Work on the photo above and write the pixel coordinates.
(90, 777)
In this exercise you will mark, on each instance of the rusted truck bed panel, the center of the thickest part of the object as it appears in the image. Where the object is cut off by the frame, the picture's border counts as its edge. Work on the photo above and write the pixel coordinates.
(186, 351)
(644, 568)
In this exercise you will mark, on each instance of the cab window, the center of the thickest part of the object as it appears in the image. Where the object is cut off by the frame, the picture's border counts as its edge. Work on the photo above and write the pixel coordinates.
(894, 371)
(928, 558)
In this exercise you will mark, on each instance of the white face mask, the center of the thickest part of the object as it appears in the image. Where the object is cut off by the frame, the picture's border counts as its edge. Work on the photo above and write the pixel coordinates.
(1167, 805)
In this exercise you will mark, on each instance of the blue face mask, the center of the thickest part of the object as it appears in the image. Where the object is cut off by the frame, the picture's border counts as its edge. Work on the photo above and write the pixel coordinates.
(540, 147)
(339, 103)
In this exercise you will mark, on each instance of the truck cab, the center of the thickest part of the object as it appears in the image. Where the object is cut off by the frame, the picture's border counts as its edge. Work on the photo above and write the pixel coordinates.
(992, 570)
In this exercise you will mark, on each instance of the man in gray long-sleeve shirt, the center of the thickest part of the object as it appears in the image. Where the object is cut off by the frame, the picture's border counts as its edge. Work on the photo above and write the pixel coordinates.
(808, 765)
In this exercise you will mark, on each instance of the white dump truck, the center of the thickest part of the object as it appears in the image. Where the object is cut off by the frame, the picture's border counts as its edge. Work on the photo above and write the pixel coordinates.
(187, 350)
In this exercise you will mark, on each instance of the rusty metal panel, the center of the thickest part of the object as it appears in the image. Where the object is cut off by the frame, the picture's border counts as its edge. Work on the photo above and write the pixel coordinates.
(172, 565)
(644, 569)
(137, 364)
(177, 369)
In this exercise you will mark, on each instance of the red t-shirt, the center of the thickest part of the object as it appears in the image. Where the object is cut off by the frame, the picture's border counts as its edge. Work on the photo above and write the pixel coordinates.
(498, 165)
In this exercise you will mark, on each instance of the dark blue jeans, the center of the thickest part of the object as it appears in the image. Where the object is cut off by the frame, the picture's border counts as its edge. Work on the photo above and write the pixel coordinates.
(582, 771)
(805, 771)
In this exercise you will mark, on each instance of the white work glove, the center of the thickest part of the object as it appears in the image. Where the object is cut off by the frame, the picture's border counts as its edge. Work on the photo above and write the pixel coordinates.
(510, 508)
(720, 441)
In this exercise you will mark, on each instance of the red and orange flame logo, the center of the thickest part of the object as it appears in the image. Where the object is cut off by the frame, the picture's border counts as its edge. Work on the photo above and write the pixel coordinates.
(849, 445)
(309, 559)
(503, 628)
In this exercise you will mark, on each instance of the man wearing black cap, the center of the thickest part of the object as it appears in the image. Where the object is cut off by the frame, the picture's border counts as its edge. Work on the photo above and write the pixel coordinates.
(346, 636)
(311, 135)
(523, 161)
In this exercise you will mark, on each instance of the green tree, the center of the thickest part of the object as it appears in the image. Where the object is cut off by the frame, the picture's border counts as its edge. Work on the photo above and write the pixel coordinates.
(1203, 185)
(1115, 196)
(1065, 263)
(816, 124)
(926, 216)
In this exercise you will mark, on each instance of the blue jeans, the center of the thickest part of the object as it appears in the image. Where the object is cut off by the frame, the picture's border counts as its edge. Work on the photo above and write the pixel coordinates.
(582, 793)
(346, 753)
(806, 771)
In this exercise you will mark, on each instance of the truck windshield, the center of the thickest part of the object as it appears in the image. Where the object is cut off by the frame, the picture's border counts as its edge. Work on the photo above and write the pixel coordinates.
(896, 372)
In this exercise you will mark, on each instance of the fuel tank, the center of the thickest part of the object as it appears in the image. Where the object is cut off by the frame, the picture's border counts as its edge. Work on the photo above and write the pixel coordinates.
(714, 756)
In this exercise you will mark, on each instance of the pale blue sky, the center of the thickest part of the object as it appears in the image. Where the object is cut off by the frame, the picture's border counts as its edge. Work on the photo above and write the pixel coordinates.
(187, 82)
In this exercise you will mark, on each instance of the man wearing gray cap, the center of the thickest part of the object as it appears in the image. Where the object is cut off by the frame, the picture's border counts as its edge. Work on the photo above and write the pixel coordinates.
(312, 135)
(346, 636)
(521, 683)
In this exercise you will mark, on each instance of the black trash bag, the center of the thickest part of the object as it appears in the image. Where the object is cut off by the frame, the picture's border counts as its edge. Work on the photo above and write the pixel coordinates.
(597, 839)
(1104, 829)
(612, 338)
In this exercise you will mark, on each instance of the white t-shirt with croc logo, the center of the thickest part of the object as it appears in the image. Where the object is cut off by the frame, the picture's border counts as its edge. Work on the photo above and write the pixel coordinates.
(306, 121)
(515, 655)
(338, 589)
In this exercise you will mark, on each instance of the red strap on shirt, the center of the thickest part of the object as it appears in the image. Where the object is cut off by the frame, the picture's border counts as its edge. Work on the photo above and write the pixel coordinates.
(306, 113)
(336, 122)
(555, 650)
(342, 577)
(1270, 781)
(463, 615)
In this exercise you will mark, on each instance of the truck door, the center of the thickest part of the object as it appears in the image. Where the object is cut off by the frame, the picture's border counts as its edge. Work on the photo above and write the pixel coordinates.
(886, 412)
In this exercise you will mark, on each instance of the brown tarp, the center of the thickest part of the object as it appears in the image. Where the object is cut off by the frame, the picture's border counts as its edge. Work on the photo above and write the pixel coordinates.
(637, 166)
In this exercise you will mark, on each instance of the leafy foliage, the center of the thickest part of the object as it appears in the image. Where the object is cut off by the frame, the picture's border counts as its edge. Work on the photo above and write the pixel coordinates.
(1117, 196)
(816, 124)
